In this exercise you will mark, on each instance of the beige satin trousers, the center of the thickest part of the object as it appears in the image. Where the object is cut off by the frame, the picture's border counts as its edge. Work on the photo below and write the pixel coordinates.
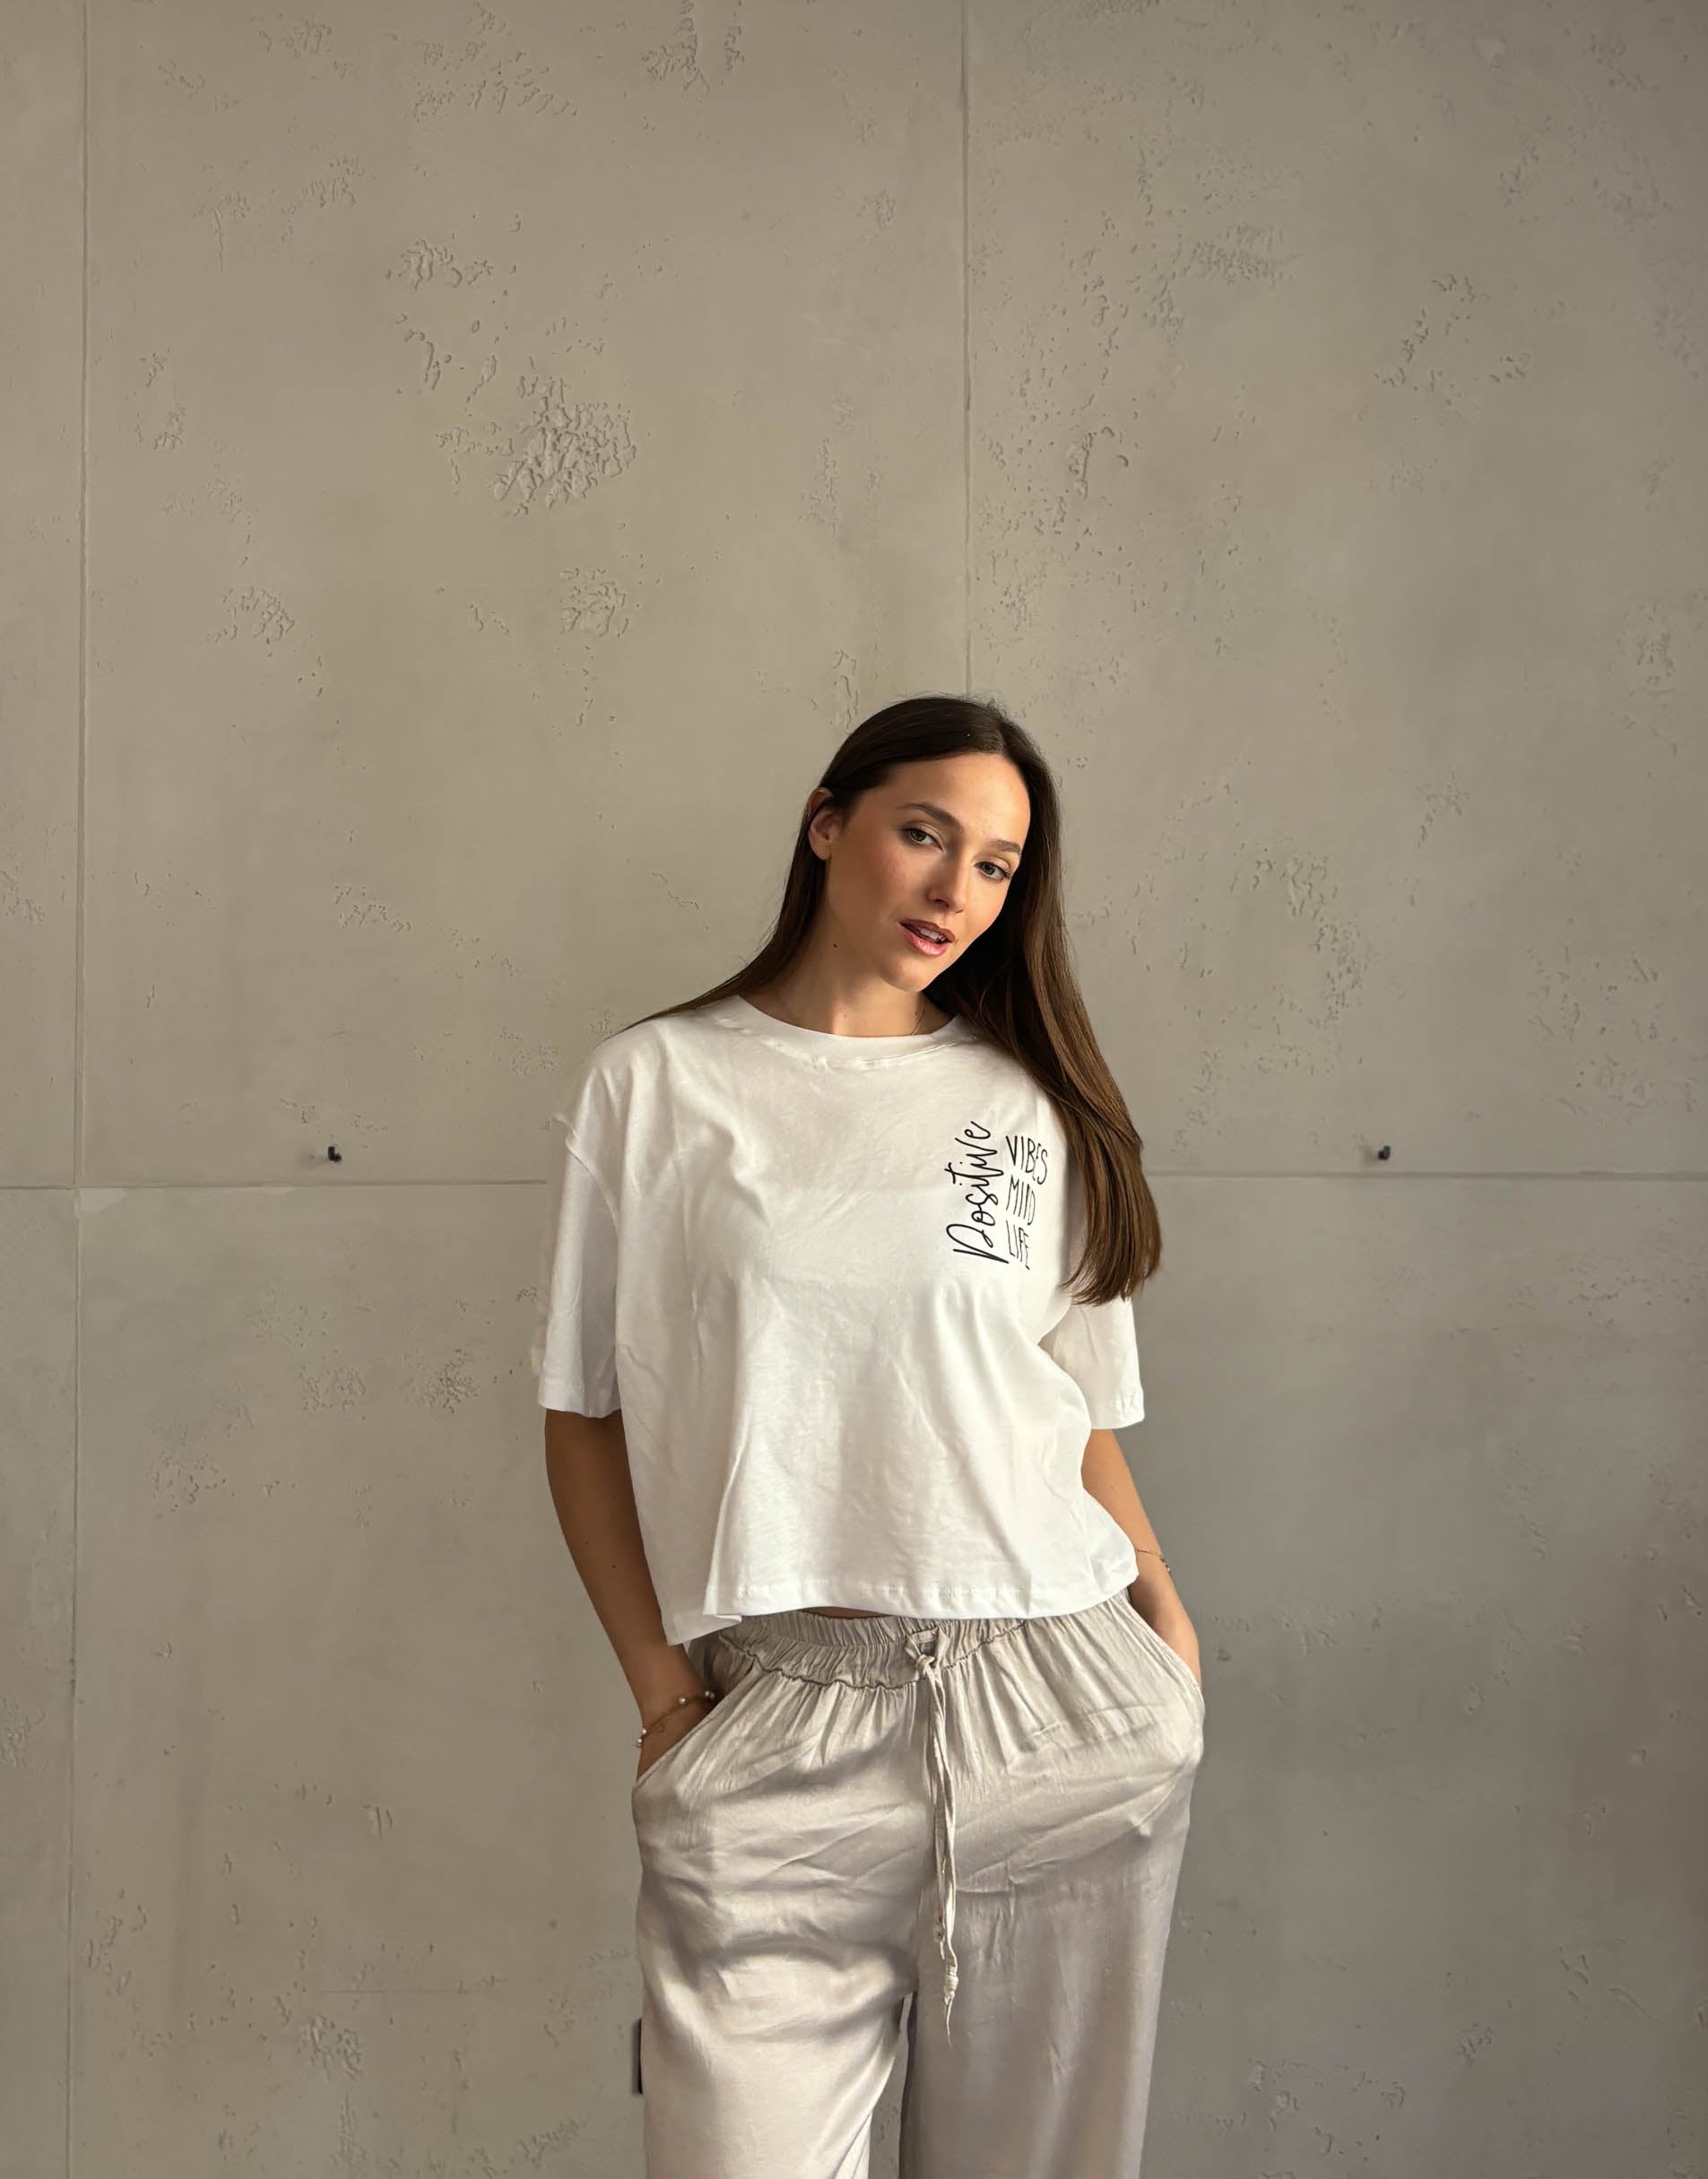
(985, 1815)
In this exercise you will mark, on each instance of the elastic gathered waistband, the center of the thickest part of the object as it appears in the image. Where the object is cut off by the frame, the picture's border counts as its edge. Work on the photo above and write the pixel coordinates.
(871, 1651)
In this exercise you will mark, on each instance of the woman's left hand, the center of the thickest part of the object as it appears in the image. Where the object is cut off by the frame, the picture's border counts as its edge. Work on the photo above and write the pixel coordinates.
(1171, 1622)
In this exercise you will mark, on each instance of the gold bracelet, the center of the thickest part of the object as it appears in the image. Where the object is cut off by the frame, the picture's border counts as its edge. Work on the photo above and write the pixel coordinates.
(710, 1694)
(1150, 1554)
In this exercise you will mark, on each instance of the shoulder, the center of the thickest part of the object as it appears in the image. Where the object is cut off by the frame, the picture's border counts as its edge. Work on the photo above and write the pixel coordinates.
(615, 1066)
(645, 1045)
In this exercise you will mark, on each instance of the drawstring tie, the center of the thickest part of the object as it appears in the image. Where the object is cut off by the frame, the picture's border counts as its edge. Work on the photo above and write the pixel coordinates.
(942, 1784)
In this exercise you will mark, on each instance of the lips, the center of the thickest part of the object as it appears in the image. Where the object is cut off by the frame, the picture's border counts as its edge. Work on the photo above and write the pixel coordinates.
(928, 936)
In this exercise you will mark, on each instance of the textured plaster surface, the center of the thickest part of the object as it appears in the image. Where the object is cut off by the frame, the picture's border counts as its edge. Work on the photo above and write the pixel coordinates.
(468, 468)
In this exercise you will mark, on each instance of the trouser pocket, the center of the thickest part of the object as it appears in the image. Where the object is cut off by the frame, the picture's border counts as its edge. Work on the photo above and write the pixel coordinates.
(1166, 1654)
(717, 1669)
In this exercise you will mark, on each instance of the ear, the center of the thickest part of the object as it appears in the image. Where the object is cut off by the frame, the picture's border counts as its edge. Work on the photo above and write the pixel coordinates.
(821, 817)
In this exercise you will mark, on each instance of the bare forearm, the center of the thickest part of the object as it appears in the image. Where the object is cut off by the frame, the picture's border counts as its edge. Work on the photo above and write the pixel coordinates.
(1105, 1474)
(593, 1495)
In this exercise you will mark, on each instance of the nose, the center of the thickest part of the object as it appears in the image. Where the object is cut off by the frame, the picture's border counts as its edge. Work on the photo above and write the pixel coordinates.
(948, 897)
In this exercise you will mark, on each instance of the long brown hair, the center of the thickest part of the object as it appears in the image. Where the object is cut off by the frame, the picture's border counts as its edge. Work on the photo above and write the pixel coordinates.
(1016, 982)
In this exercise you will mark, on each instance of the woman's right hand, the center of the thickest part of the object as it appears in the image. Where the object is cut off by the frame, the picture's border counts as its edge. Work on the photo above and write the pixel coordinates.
(677, 1723)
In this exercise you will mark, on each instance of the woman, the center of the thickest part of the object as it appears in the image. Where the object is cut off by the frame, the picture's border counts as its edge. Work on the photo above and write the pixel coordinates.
(835, 1333)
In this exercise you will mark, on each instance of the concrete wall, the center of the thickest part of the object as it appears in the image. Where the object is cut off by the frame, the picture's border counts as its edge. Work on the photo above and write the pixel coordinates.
(467, 467)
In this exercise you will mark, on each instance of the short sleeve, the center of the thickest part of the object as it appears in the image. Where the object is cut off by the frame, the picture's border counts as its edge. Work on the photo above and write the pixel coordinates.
(574, 1354)
(1097, 1344)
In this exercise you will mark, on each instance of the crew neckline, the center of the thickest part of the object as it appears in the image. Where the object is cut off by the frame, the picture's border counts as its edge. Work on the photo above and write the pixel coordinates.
(741, 1013)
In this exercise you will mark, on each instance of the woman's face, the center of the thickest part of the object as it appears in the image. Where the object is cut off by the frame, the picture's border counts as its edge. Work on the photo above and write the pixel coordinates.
(938, 844)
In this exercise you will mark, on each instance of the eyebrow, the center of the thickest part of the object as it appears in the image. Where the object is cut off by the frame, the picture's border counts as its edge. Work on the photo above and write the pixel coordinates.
(953, 824)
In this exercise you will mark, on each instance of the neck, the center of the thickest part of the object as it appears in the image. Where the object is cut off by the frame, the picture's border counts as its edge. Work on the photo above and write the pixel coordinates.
(805, 1002)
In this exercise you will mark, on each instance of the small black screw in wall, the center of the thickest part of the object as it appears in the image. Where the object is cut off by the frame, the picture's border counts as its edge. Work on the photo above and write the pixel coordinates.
(336, 1155)
(1386, 1150)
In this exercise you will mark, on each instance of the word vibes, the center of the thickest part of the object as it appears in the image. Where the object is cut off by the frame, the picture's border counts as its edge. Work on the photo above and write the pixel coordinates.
(998, 1179)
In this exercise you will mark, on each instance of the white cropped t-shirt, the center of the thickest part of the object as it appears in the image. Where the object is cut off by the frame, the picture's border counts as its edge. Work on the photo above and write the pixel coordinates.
(825, 1280)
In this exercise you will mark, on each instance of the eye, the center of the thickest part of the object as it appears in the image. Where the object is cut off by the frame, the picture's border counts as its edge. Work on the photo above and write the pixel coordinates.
(1002, 875)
